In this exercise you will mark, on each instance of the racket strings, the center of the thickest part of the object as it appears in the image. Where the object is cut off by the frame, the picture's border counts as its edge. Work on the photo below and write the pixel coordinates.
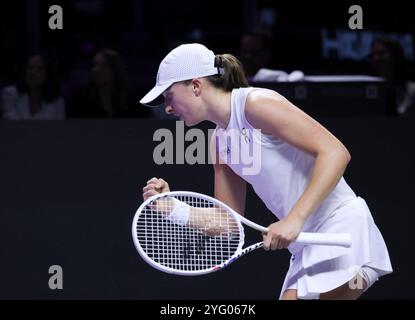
(193, 246)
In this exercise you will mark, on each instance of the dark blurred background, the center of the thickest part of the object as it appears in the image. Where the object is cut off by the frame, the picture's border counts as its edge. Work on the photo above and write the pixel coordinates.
(313, 37)
(69, 189)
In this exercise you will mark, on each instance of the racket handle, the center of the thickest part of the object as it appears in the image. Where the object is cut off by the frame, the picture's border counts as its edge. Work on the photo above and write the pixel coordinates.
(328, 239)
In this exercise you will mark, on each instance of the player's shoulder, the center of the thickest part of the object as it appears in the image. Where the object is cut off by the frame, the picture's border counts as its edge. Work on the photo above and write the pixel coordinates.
(259, 100)
(258, 95)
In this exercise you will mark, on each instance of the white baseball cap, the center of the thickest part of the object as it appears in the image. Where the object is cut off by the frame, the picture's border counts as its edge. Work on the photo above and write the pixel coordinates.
(186, 62)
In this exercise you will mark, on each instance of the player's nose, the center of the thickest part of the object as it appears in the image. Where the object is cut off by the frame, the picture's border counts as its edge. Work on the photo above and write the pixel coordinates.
(169, 110)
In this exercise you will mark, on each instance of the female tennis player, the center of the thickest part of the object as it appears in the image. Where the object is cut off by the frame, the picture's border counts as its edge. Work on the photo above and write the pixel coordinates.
(300, 175)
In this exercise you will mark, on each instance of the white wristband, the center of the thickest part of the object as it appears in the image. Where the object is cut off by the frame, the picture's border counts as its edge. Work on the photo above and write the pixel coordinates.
(180, 213)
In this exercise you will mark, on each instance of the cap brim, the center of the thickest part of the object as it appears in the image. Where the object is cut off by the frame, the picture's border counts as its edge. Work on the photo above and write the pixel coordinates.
(153, 94)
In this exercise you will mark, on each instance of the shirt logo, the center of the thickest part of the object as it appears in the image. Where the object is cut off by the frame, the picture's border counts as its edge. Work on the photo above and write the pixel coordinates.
(226, 151)
(245, 134)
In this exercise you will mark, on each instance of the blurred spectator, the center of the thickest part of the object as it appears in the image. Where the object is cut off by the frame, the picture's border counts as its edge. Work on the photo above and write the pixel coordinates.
(106, 94)
(388, 61)
(36, 96)
(255, 52)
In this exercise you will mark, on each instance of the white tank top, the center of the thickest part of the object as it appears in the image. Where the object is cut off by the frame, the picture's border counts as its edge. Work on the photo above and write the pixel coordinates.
(278, 172)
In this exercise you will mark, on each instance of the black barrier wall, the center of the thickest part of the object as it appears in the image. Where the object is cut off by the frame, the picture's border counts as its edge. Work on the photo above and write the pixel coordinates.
(69, 190)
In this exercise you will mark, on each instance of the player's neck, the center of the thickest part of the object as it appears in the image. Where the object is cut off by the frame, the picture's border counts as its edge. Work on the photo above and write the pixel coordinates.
(219, 108)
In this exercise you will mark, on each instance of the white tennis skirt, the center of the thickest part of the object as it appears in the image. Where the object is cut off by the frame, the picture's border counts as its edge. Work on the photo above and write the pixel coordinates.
(316, 269)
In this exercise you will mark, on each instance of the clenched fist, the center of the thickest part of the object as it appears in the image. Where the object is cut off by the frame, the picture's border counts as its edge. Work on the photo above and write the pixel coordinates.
(155, 186)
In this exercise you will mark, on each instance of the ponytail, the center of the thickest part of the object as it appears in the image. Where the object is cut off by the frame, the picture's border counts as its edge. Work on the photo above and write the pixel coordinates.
(230, 73)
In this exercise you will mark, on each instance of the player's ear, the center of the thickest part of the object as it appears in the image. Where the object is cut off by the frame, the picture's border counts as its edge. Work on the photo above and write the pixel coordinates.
(196, 87)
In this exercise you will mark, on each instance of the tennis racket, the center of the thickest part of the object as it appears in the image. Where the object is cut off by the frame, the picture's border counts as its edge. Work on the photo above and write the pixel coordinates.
(188, 233)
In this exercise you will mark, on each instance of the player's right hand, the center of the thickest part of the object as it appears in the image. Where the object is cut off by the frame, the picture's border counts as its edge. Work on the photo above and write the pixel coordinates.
(155, 186)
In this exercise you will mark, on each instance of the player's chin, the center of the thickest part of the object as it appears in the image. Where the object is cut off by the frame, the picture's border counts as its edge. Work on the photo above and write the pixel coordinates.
(190, 123)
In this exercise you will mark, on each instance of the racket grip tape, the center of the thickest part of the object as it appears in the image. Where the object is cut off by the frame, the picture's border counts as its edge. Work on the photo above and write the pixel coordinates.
(334, 239)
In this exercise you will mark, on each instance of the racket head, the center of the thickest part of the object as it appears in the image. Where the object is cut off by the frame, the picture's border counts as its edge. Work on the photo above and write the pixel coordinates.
(184, 249)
